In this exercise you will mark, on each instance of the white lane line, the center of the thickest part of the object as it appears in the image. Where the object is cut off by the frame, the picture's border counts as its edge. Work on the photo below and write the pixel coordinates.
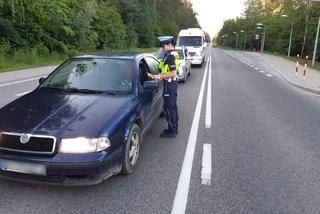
(252, 66)
(181, 196)
(269, 75)
(21, 81)
(21, 94)
(256, 68)
(261, 71)
(208, 106)
(206, 165)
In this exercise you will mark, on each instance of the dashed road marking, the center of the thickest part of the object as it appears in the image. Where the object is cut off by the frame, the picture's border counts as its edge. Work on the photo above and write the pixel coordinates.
(261, 71)
(269, 75)
(21, 81)
(206, 165)
(208, 106)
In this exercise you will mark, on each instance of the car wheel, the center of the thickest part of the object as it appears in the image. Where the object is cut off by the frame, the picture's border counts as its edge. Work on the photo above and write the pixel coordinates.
(185, 76)
(132, 151)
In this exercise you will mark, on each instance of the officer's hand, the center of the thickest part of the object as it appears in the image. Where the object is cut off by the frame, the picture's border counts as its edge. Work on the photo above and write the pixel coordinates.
(153, 77)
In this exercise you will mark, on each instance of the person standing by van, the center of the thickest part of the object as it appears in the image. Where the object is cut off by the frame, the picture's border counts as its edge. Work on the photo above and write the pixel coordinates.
(169, 76)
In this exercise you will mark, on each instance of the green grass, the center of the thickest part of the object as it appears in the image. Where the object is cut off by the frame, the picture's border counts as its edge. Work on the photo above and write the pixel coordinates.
(29, 59)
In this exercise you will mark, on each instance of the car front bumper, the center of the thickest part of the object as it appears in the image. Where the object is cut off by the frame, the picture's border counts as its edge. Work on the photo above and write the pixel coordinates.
(92, 169)
(197, 60)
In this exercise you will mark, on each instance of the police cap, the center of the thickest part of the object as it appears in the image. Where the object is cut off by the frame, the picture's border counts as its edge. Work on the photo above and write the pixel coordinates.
(166, 40)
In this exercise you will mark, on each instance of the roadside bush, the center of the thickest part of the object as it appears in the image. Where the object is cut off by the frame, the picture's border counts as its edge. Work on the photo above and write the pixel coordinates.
(42, 50)
(73, 52)
(59, 46)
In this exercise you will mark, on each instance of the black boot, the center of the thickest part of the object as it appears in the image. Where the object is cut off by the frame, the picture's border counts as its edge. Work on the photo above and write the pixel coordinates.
(166, 133)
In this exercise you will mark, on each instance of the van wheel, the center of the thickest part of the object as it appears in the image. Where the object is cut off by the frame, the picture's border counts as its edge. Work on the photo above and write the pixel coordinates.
(132, 151)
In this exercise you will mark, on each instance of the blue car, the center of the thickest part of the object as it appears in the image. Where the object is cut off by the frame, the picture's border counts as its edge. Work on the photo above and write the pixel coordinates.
(83, 123)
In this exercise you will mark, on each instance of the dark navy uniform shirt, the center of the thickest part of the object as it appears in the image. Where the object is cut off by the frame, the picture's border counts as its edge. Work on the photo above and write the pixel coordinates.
(170, 87)
(171, 61)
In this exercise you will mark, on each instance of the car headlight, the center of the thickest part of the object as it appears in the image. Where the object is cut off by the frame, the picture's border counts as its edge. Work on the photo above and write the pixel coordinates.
(198, 53)
(82, 145)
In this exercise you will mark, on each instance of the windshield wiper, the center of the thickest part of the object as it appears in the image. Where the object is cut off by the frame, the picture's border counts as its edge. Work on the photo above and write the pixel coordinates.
(87, 91)
(51, 88)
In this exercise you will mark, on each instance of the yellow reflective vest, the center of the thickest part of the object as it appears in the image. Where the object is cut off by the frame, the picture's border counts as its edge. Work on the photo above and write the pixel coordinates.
(164, 68)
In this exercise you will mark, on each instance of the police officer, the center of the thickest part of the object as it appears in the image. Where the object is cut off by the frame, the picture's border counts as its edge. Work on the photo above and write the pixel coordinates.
(168, 74)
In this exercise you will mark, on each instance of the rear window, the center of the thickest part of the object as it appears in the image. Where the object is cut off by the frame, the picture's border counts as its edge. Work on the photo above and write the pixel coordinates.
(179, 52)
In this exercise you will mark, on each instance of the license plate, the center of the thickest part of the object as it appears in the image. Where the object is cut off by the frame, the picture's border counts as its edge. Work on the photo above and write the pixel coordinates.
(27, 168)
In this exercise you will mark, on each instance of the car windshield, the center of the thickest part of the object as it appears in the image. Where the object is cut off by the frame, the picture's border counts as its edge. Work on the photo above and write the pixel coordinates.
(160, 55)
(113, 76)
(190, 41)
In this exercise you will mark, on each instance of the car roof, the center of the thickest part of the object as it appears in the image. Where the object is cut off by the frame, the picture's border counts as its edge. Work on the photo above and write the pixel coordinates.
(112, 55)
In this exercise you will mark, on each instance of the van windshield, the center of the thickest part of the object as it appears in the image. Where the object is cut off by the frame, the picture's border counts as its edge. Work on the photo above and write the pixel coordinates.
(195, 41)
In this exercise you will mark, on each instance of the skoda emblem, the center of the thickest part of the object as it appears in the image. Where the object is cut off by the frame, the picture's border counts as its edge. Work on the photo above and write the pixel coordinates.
(24, 138)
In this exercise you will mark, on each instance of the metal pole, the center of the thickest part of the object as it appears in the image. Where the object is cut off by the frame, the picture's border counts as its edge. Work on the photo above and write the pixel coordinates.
(237, 40)
(264, 38)
(289, 49)
(316, 44)
(244, 45)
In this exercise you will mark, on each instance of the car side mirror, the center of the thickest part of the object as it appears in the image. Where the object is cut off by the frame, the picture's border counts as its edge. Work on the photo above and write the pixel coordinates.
(150, 85)
(41, 80)
(205, 44)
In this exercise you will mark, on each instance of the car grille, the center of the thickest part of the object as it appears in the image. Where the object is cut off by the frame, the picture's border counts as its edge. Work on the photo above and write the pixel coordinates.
(192, 53)
(36, 144)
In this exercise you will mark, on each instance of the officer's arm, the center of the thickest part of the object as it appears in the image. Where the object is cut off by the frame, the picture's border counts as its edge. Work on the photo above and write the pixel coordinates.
(168, 75)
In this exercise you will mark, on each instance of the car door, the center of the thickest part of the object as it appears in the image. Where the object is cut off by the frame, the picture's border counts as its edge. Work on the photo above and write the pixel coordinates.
(152, 101)
(157, 102)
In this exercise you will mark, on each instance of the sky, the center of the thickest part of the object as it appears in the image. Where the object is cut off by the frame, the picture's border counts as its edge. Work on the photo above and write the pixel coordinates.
(212, 13)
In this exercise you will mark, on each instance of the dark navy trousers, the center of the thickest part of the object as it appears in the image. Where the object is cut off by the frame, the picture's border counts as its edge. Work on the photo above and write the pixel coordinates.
(170, 105)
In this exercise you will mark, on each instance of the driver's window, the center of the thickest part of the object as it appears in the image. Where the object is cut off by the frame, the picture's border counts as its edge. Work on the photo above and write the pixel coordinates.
(153, 65)
(143, 71)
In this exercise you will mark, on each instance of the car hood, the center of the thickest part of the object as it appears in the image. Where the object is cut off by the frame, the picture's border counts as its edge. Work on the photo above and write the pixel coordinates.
(61, 114)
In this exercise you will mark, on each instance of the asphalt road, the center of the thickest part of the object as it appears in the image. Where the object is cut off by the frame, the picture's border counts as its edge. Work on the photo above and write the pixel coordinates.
(265, 152)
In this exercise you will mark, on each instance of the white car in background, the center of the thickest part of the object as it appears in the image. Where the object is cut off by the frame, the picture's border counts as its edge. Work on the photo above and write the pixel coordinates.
(194, 40)
(184, 60)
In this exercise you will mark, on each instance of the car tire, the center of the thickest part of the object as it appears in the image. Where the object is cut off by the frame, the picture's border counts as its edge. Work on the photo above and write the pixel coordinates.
(131, 151)
(185, 76)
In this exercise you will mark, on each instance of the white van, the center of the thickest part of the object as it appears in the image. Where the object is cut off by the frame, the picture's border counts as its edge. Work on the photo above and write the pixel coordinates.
(194, 40)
